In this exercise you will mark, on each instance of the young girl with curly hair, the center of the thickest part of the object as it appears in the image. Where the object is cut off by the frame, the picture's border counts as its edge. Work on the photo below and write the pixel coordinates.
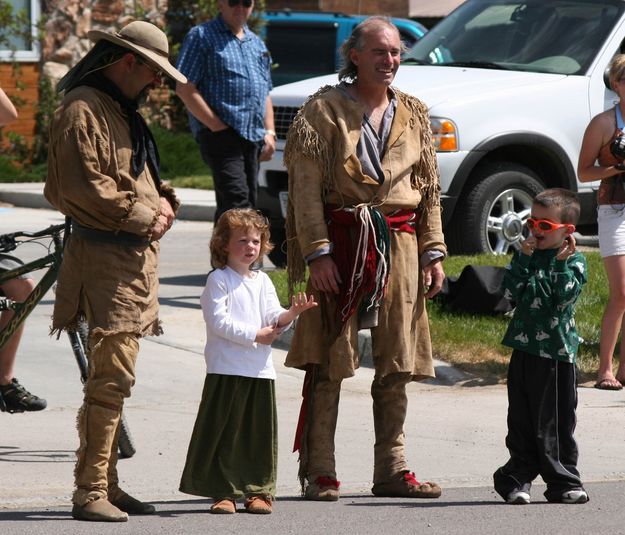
(233, 450)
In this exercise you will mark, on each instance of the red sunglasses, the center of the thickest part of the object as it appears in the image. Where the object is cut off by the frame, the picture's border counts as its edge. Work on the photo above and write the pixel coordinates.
(544, 225)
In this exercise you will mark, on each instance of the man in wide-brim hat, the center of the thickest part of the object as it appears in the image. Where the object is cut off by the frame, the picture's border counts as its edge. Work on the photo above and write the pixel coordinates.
(103, 174)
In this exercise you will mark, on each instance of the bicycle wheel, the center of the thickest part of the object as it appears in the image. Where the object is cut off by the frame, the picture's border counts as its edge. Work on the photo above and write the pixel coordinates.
(125, 443)
(79, 342)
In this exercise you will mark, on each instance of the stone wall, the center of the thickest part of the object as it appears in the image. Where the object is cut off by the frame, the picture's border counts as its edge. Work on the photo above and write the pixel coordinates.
(68, 21)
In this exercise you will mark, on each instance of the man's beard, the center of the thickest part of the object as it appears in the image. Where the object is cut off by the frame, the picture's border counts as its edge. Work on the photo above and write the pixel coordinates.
(143, 95)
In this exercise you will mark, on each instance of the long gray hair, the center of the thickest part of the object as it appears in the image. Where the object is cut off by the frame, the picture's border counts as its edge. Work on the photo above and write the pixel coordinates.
(349, 71)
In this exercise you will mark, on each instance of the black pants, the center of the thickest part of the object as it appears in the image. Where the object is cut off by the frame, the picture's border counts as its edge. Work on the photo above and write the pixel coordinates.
(542, 398)
(234, 163)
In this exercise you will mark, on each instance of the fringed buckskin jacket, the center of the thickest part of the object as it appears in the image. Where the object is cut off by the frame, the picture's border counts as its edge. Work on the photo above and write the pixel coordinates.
(324, 170)
(90, 180)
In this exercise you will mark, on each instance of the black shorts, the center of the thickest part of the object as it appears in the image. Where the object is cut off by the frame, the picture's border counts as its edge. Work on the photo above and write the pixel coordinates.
(8, 262)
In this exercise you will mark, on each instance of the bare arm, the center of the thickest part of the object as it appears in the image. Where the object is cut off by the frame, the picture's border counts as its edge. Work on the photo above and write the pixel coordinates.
(8, 113)
(199, 108)
(598, 133)
(269, 148)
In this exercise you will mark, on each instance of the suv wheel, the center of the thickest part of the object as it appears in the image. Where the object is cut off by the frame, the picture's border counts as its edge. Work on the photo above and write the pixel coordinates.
(492, 216)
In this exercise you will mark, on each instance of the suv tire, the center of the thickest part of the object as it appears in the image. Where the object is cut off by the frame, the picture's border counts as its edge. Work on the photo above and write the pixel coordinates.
(491, 216)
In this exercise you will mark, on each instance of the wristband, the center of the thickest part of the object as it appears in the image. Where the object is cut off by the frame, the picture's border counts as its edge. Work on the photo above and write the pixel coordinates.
(271, 133)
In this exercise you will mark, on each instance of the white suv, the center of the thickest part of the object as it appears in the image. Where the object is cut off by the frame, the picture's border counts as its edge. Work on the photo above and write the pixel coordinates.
(511, 86)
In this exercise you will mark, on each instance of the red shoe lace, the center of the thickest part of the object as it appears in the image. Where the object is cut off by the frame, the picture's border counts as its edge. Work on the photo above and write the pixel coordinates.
(324, 481)
(410, 478)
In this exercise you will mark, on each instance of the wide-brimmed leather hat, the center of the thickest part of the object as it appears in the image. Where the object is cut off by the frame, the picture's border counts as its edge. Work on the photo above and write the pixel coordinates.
(146, 40)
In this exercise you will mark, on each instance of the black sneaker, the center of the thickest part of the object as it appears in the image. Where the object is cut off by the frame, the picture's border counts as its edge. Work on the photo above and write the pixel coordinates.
(15, 398)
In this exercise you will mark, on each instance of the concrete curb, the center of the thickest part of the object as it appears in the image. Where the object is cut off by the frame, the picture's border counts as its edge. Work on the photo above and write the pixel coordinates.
(197, 205)
(25, 199)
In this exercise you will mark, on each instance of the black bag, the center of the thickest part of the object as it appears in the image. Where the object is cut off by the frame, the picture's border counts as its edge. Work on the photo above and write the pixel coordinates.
(477, 290)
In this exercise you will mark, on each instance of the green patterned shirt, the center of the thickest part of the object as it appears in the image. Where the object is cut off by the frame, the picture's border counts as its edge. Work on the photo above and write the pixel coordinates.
(545, 291)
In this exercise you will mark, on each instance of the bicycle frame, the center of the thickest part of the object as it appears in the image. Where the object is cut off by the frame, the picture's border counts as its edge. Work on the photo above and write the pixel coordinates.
(52, 261)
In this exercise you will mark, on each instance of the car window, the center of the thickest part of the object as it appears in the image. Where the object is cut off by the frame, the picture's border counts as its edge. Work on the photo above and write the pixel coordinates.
(560, 36)
(408, 39)
(301, 51)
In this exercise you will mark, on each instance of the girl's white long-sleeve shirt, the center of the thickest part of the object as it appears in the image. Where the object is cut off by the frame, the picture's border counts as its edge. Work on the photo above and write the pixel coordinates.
(234, 309)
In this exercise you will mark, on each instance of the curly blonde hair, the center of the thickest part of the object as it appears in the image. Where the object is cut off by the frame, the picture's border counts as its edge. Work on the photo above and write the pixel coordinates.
(228, 222)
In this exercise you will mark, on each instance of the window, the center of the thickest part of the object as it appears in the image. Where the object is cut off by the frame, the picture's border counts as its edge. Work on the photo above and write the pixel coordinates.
(23, 47)
(301, 50)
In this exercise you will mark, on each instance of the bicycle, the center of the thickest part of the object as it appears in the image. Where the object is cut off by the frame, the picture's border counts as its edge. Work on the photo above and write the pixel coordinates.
(52, 261)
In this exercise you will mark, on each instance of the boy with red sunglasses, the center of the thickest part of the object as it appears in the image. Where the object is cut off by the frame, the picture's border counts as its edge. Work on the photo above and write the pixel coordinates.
(544, 279)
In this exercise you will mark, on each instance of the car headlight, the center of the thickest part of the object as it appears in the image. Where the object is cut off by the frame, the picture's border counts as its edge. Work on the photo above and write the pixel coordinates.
(444, 134)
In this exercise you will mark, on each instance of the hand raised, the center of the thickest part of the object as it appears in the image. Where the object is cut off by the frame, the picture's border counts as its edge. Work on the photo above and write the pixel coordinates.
(568, 248)
(301, 302)
(528, 245)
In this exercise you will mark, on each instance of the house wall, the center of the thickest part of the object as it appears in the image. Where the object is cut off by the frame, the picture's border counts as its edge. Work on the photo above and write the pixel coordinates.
(26, 91)
(65, 42)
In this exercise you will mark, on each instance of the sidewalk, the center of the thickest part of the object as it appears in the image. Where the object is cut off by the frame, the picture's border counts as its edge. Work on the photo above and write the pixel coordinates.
(197, 204)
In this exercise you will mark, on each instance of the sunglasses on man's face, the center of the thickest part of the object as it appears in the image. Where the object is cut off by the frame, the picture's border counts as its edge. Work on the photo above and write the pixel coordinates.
(244, 3)
(155, 70)
(544, 225)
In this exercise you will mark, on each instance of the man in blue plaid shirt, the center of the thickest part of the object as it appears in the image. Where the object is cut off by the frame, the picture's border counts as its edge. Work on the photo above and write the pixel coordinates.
(227, 95)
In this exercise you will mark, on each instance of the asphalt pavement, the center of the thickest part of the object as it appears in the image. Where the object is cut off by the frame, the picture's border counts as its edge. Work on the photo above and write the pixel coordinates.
(455, 432)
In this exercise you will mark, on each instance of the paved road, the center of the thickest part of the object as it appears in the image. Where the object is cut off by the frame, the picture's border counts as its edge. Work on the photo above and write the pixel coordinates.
(455, 436)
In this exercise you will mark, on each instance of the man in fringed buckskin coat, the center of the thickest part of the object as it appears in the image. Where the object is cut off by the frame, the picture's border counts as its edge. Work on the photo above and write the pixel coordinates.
(364, 215)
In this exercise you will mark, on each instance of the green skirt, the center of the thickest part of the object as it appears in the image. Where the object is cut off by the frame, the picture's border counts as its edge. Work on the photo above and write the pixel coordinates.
(234, 446)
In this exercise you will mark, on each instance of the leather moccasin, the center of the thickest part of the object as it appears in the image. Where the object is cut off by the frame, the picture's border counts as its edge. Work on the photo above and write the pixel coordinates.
(224, 507)
(323, 489)
(100, 510)
(258, 505)
(405, 485)
(131, 505)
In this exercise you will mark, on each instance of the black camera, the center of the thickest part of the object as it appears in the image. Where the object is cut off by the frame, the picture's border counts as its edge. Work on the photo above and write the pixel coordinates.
(617, 147)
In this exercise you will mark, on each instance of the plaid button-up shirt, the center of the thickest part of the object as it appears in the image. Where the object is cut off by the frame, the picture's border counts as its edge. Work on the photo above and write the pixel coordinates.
(231, 74)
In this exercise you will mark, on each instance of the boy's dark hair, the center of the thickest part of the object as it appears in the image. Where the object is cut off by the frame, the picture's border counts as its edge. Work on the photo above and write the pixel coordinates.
(237, 218)
(564, 199)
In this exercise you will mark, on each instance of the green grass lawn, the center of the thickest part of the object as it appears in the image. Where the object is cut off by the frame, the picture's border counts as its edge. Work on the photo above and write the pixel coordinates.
(473, 342)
